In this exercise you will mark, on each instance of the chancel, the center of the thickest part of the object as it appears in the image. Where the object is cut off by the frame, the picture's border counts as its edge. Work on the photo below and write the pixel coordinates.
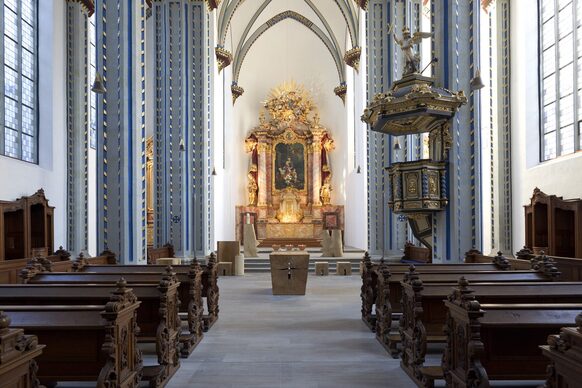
(273, 193)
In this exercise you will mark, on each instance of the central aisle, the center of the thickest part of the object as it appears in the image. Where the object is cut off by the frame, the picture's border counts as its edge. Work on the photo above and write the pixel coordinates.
(316, 340)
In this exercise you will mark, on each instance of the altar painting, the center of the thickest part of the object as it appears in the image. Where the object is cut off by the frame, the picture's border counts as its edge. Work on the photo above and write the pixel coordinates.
(289, 166)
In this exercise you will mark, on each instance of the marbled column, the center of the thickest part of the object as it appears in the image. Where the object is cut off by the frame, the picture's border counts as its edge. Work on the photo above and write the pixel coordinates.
(316, 146)
(181, 161)
(121, 210)
(263, 183)
(77, 125)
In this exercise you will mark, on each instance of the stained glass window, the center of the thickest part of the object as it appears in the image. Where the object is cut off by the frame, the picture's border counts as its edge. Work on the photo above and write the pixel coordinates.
(19, 102)
(561, 77)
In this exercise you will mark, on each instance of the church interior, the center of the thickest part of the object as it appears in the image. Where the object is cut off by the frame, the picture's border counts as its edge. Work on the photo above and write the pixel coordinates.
(273, 193)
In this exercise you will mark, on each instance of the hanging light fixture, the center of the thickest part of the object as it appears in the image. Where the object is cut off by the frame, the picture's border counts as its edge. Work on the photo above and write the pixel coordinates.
(98, 85)
(181, 145)
(397, 145)
(214, 171)
(359, 170)
(477, 82)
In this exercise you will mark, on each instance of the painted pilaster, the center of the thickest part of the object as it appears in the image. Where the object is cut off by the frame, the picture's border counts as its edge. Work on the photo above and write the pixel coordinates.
(380, 68)
(181, 160)
(316, 146)
(456, 43)
(503, 210)
(121, 211)
(77, 126)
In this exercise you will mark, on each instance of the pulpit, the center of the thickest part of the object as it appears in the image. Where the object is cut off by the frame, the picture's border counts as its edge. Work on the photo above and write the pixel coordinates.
(289, 272)
(289, 188)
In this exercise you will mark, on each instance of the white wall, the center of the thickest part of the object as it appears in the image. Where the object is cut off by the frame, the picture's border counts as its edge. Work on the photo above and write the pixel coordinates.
(21, 178)
(561, 176)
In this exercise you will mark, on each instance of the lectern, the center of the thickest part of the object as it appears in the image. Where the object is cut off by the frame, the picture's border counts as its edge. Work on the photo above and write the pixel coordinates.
(289, 272)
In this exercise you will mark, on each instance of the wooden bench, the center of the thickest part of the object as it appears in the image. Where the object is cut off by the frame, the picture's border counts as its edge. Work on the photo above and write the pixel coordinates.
(85, 342)
(210, 289)
(424, 313)
(565, 354)
(370, 270)
(394, 288)
(189, 291)
(159, 320)
(18, 352)
(497, 341)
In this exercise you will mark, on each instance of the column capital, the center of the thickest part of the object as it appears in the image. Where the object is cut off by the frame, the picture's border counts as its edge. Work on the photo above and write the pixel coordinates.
(87, 5)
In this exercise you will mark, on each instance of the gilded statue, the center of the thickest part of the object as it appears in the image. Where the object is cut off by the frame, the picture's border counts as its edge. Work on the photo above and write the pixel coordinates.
(252, 187)
(406, 43)
(325, 191)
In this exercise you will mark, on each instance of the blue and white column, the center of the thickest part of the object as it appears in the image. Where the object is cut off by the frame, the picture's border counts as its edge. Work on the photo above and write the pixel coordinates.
(182, 137)
(121, 202)
(77, 125)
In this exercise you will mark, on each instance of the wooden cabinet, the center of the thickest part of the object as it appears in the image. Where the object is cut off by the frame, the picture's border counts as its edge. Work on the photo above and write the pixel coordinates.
(26, 227)
(554, 225)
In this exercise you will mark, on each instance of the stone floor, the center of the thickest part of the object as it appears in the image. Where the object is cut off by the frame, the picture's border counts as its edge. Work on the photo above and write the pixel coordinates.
(316, 340)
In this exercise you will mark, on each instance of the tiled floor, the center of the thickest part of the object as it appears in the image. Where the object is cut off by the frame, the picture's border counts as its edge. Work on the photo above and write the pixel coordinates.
(316, 340)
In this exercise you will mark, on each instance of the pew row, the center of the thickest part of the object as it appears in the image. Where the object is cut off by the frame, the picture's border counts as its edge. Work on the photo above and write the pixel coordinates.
(424, 314)
(497, 341)
(209, 285)
(370, 272)
(393, 298)
(85, 342)
(18, 353)
(564, 351)
(157, 316)
(59, 261)
(189, 291)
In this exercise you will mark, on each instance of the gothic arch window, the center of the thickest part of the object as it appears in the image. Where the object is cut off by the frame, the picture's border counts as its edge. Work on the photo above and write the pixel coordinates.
(19, 102)
(560, 64)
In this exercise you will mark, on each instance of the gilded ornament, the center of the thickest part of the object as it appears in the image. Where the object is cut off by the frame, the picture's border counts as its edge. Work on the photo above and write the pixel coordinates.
(223, 57)
(352, 58)
(325, 191)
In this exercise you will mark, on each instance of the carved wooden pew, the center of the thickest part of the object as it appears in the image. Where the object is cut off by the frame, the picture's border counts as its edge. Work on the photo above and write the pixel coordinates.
(18, 352)
(497, 341)
(86, 342)
(158, 317)
(565, 354)
(394, 287)
(424, 312)
(370, 271)
(209, 282)
(210, 289)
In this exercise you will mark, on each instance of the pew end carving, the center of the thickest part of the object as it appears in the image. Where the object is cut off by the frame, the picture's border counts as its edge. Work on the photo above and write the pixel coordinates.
(564, 351)
(460, 361)
(124, 363)
(17, 355)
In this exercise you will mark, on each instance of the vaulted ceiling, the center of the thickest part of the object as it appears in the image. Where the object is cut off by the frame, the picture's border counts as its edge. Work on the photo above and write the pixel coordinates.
(241, 23)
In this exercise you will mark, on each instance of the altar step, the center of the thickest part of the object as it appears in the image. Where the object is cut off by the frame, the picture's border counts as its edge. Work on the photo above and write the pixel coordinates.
(254, 265)
(308, 242)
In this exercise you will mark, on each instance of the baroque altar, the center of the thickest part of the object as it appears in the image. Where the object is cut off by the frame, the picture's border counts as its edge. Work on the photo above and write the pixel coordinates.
(289, 180)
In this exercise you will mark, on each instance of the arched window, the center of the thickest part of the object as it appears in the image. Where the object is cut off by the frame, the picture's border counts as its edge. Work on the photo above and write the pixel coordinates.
(19, 102)
(560, 77)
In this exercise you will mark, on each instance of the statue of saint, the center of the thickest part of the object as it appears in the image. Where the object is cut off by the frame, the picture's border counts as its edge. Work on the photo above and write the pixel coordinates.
(252, 189)
(406, 43)
(325, 191)
(288, 173)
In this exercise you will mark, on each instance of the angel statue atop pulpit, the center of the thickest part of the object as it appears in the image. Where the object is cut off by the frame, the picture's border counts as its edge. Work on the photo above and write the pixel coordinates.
(288, 173)
(406, 43)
